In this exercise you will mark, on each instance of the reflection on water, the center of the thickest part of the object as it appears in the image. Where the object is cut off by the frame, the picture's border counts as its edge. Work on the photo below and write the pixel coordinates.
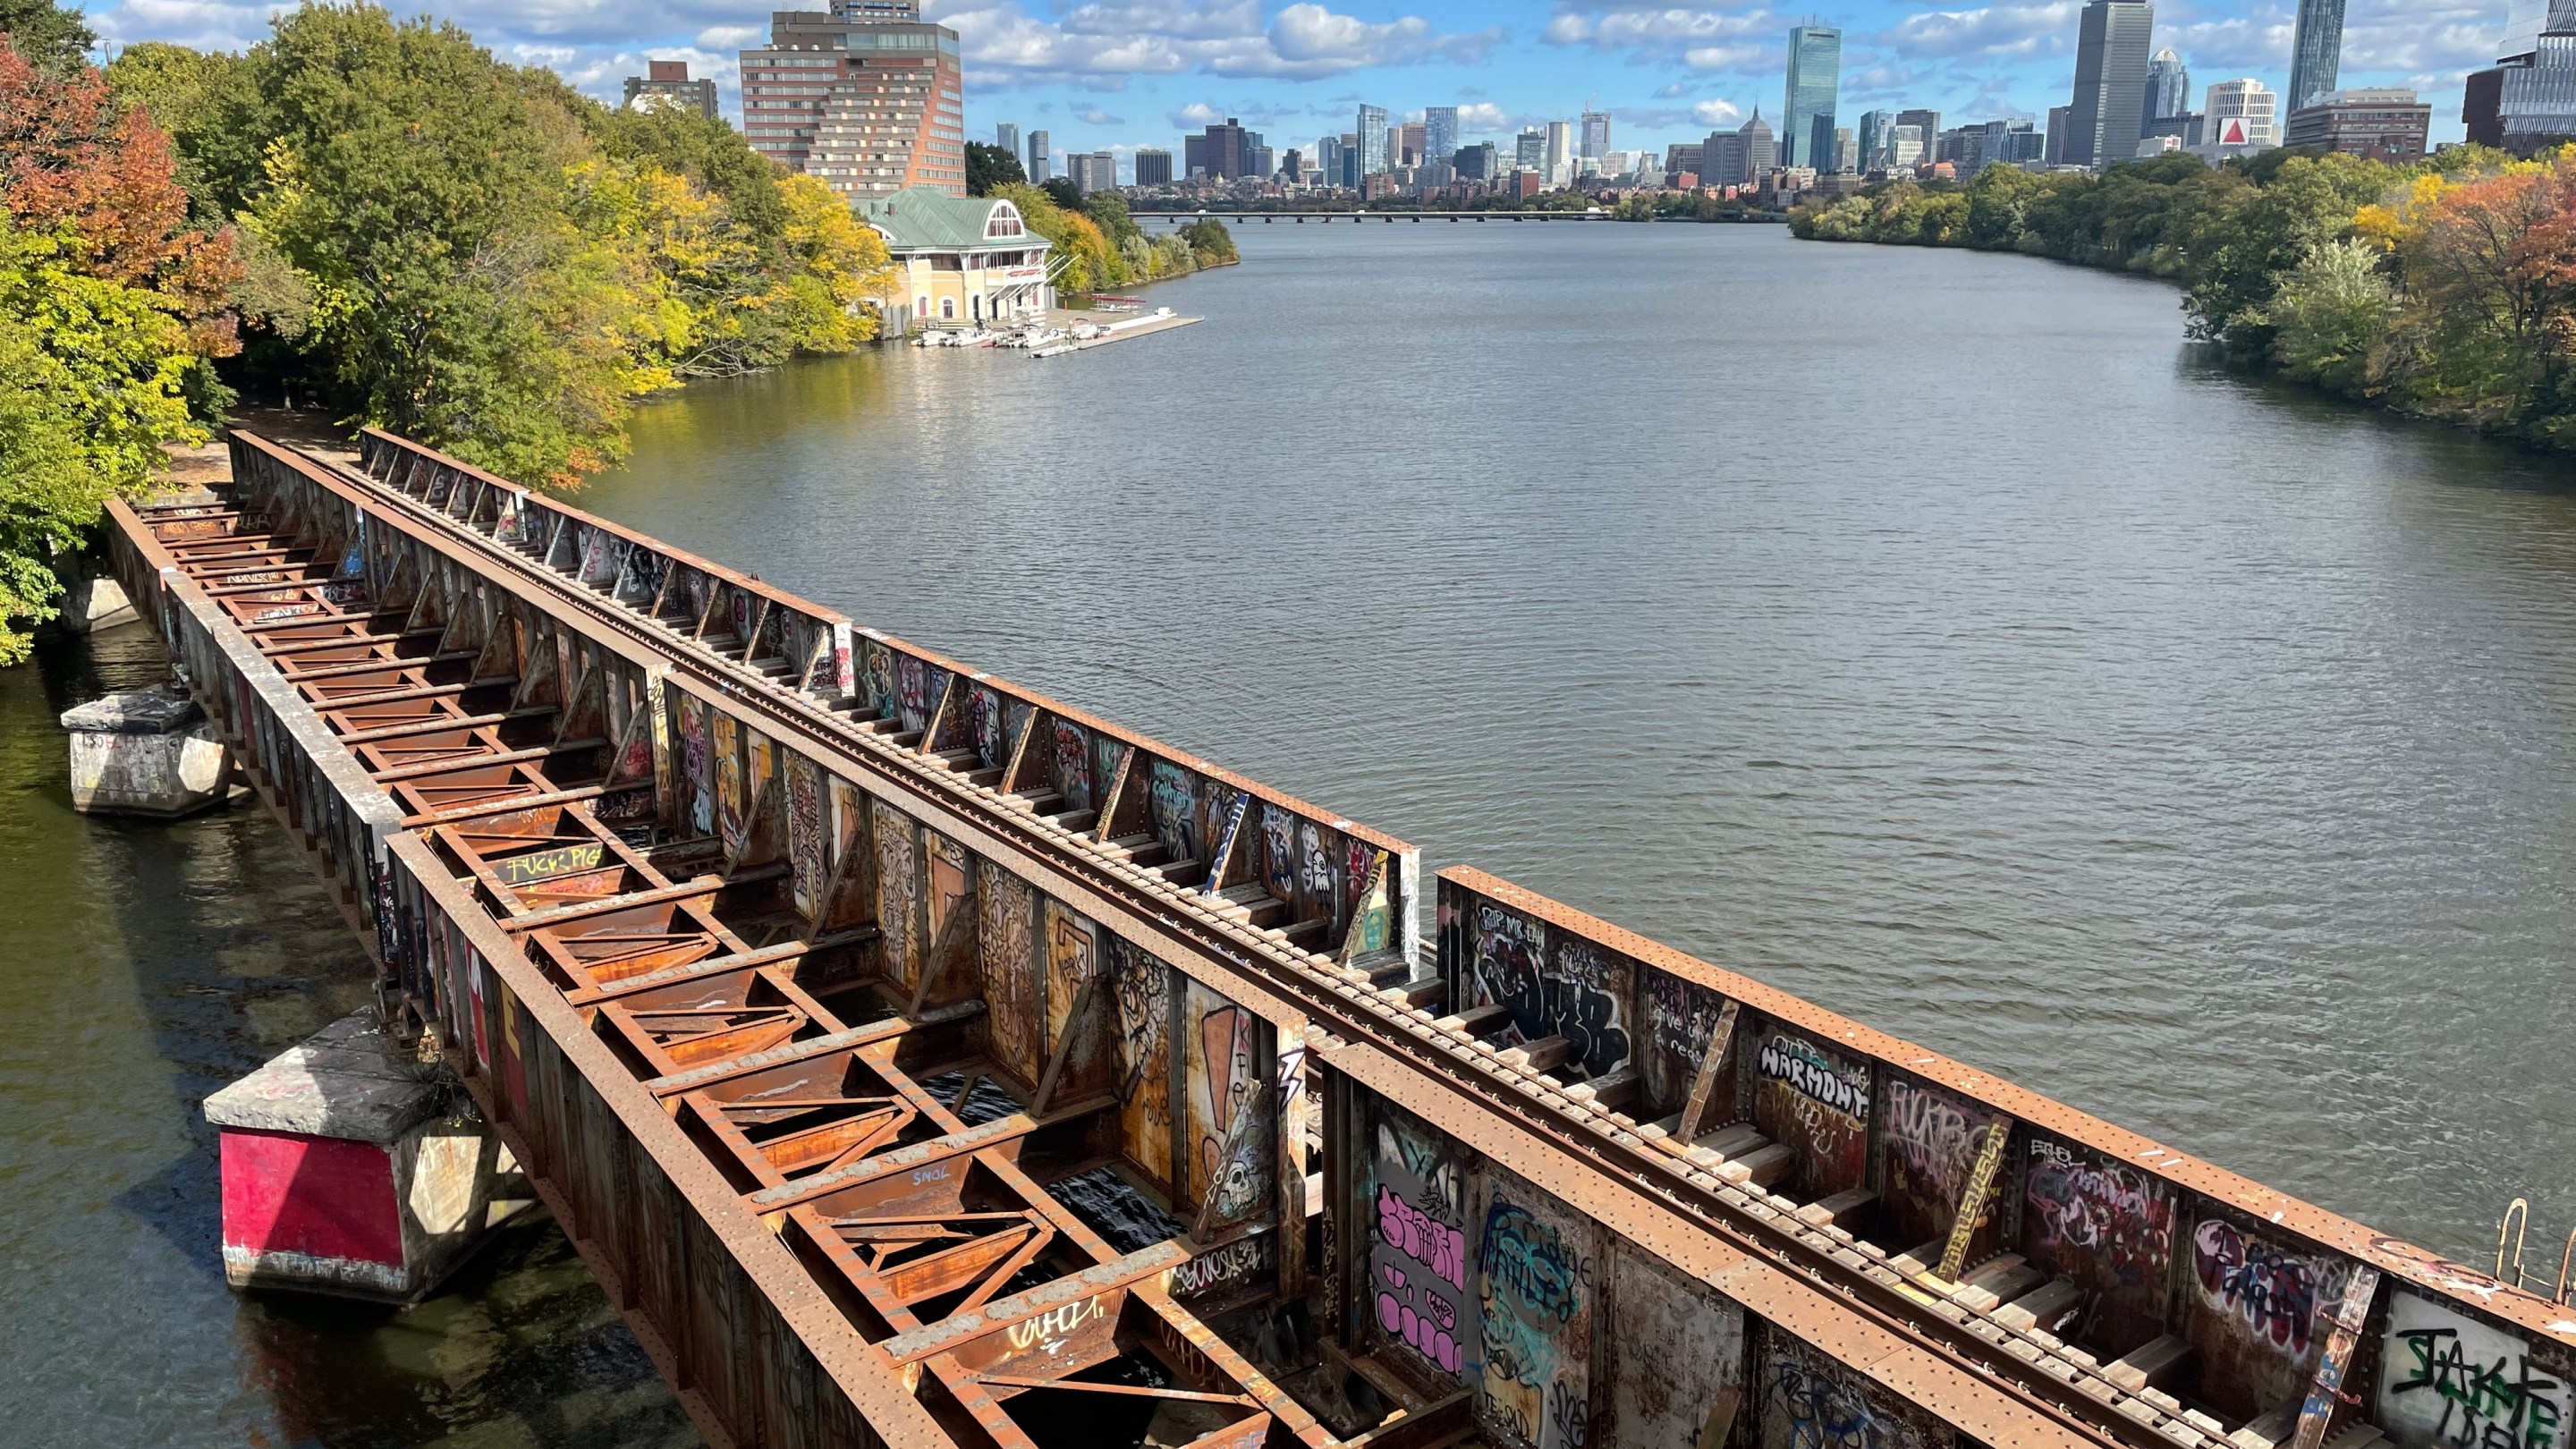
(148, 966)
(1920, 631)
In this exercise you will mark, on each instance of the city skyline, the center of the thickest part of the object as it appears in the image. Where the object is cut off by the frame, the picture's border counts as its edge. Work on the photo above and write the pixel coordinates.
(1116, 78)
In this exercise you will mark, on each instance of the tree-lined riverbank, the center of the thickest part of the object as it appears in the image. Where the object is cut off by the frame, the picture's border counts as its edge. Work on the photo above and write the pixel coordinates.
(2445, 289)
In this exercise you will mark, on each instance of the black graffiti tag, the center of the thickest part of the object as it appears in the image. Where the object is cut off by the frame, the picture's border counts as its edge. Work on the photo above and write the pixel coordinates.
(2497, 1405)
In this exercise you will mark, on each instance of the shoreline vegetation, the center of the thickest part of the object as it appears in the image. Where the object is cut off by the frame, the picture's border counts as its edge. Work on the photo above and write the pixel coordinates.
(2444, 290)
(1097, 243)
(378, 220)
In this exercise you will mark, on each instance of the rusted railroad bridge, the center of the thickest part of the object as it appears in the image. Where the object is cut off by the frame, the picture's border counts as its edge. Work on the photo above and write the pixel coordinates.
(917, 1060)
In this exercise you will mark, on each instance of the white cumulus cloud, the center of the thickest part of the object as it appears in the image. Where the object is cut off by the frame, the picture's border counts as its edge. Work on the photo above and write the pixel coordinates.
(1991, 30)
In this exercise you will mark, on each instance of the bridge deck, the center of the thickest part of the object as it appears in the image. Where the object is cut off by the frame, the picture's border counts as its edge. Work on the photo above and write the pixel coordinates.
(915, 1057)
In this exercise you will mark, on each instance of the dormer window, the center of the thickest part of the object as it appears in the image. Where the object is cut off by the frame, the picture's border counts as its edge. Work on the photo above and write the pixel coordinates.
(1003, 221)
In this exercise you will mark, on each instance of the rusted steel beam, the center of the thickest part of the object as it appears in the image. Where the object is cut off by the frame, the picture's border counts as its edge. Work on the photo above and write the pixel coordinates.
(1063, 1307)
(1627, 1175)
(530, 755)
(2115, 1143)
(764, 956)
(456, 813)
(862, 1373)
(450, 722)
(1093, 902)
(364, 666)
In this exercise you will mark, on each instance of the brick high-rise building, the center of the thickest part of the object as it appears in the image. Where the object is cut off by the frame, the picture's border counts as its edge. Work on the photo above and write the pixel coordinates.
(2383, 125)
(1220, 151)
(667, 83)
(862, 96)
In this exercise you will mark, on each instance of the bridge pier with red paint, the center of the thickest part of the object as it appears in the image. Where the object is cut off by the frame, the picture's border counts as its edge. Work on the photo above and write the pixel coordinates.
(353, 1168)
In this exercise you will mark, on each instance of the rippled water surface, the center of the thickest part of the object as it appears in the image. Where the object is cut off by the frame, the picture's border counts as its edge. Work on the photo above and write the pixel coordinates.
(147, 966)
(1922, 632)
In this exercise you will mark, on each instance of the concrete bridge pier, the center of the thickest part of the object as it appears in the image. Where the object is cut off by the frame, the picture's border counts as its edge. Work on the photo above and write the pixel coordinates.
(150, 753)
(92, 602)
(352, 1168)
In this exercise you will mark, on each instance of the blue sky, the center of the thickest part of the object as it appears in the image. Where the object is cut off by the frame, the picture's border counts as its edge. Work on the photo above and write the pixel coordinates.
(1123, 73)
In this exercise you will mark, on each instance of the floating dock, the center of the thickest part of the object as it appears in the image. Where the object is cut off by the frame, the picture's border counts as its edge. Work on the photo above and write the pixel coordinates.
(1116, 331)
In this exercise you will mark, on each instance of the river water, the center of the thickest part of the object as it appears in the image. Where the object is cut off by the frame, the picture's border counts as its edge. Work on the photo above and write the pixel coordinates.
(1927, 633)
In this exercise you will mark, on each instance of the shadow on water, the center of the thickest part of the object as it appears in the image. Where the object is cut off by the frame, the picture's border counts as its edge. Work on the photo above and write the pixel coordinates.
(158, 964)
(2454, 455)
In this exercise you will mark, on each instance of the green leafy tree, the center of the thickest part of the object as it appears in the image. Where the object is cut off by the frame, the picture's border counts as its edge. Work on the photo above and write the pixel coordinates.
(1211, 242)
(110, 303)
(2308, 202)
(2331, 315)
(405, 173)
(990, 166)
(1999, 202)
(1062, 191)
(54, 40)
(702, 149)
(475, 254)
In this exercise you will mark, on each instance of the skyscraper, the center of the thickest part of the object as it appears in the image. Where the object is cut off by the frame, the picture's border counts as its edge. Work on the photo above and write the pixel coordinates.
(1560, 152)
(1815, 74)
(1097, 171)
(1328, 159)
(1928, 122)
(1440, 131)
(2168, 86)
(1153, 166)
(1761, 148)
(1223, 150)
(1408, 144)
(1596, 135)
(1721, 160)
(2241, 116)
(868, 103)
(1373, 160)
(1875, 128)
(1529, 151)
(1040, 165)
(1738, 157)
(2526, 102)
(2061, 123)
(1007, 136)
(2523, 22)
(2109, 109)
(2316, 52)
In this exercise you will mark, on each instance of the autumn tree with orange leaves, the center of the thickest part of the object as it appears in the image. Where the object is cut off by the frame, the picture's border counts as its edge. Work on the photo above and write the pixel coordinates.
(2488, 268)
(112, 305)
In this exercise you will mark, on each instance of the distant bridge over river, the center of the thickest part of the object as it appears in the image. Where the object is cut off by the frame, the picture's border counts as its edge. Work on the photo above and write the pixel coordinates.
(1182, 218)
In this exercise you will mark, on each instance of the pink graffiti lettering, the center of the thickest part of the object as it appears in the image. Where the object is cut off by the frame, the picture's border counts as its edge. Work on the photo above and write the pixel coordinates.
(1436, 1341)
(1412, 1232)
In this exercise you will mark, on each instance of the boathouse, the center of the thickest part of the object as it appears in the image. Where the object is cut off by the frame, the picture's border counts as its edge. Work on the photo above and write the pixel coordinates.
(960, 261)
